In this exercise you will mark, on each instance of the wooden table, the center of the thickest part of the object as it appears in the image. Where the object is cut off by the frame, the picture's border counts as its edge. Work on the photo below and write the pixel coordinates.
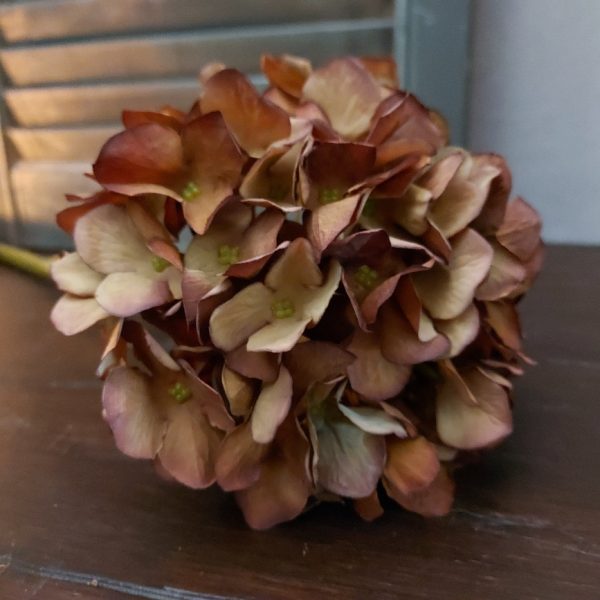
(79, 520)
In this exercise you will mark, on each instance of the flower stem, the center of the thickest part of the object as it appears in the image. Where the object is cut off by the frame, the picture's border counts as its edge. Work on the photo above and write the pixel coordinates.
(24, 260)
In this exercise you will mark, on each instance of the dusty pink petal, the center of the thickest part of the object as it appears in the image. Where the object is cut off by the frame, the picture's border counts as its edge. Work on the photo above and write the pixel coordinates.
(127, 294)
(71, 315)
(190, 446)
(145, 159)
(107, 240)
(504, 320)
(443, 168)
(197, 286)
(286, 72)
(464, 196)
(520, 230)
(505, 277)
(327, 222)
(136, 423)
(280, 335)
(461, 330)
(271, 407)
(283, 488)
(373, 420)
(256, 365)
(250, 267)
(255, 122)
(239, 392)
(331, 87)
(467, 426)
(350, 461)
(493, 212)
(401, 345)
(233, 322)
(316, 361)
(371, 374)
(73, 275)
(411, 465)
(238, 463)
(437, 243)
(447, 291)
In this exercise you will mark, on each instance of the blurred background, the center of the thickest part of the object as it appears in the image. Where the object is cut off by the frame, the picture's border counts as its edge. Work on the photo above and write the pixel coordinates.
(518, 77)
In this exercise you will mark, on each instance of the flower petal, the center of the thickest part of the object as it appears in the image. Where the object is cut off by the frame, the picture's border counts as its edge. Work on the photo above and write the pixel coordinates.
(401, 345)
(271, 408)
(136, 423)
(411, 465)
(283, 488)
(71, 274)
(373, 420)
(143, 159)
(447, 291)
(316, 303)
(368, 508)
(127, 294)
(256, 365)
(505, 277)
(467, 426)
(71, 315)
(108, 241)
(461, 330)
(371, 374)
(233, 322)
(255, 122)
(286, 72)
(280, 335)
(190, 446)
(297, 266)
(238, 391)
(520, 230)
(331, 87)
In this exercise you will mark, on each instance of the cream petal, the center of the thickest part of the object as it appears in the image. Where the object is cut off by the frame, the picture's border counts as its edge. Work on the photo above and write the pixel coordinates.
(72, 315)
(108, 241)
(467, 426)
(190, 446)
(373, 420)
(136, 423)
(296, 267)
(233, 322)
(315, 302)
(127, 294)
(410, 211)
(505, 277)
(238, 391)
(280, 335)
(461, 330)
(71, 274)
(271, 408)
(464, 197)
(446, 291)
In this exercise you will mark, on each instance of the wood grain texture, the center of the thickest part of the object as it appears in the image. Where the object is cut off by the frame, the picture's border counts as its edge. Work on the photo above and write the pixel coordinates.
(73, 510)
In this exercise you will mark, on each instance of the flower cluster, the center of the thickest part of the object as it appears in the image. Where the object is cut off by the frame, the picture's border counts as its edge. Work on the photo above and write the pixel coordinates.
(308, 295)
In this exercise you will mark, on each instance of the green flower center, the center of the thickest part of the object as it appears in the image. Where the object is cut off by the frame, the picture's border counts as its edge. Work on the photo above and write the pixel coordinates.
(329, 195)
(190, 191)
(159, 264)
(366, 276)
(282, 309)
(180, 392)
(227, 255)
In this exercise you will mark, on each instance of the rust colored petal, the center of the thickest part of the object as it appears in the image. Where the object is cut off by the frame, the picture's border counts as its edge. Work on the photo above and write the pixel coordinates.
(286, 72)
(169, 118)
(144, 159)
(368, 508)
(254, 121)
(372, 375)
(520, 230)
(332, 87)
(411, 465)
(382, 68)
(401, 345)
(504, 320)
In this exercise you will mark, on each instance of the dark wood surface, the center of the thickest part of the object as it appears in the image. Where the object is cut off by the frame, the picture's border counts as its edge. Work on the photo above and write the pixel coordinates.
(79, 520)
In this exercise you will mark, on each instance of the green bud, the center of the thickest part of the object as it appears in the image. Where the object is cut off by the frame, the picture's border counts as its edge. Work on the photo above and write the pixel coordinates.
(282, 309)
(366, 276)
(159, 264)
(329, 195)
(190, 191)
(227, 255)
(180, 392)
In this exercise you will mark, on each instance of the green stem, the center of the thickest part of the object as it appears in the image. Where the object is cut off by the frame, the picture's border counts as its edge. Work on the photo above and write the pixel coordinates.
(24, 260)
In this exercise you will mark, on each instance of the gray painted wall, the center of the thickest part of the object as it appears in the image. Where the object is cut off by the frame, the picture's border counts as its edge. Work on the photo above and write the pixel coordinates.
(535, 98)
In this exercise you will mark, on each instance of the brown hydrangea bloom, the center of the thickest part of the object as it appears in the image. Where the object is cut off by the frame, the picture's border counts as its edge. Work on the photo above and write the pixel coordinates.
(331, 287)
